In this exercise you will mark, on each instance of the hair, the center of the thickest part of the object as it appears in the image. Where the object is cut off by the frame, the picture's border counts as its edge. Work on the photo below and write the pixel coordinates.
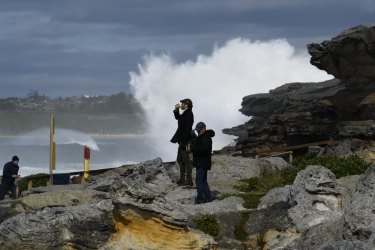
(188, 102)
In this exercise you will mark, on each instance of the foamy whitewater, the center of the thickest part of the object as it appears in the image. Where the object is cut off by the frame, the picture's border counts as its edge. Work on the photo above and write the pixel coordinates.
(216, 84)
(33, 150)
(62, 136)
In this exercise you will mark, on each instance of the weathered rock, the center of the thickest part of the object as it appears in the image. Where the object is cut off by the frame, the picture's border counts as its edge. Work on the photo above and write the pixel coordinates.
(140, 230)
(83, 226)
(298, 113)
(359, 219)
(314, 198)
(355, 228)
(269, 164)
(57, 197)
(275, 195)
(143, 208)
(271, 227)
(351, 54)
(227, 170)
(346, 186)
(127, 207)
(142, 186)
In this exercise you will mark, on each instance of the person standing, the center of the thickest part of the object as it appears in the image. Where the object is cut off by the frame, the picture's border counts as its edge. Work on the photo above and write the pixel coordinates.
(10, 174)
(201, 147)
(182, 136)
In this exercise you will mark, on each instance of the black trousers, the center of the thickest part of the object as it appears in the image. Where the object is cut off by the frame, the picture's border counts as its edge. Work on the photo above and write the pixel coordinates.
(203, 190)
(4, 188)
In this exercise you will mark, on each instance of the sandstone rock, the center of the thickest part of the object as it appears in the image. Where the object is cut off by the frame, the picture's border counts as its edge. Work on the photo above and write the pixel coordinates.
(271, 227)
(82, 226)
(60, 198)
(275, 195)
(346, 186)
(348, 55)
(142, 186)
(140, 230)
(314, 198)
(299, 113)
(354, 229)
(105, 213)
(359, 219)
(269, 164)
(228, 170)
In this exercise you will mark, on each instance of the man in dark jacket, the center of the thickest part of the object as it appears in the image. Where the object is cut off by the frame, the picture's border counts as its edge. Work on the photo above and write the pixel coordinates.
(201, 148)
(183, 137)
(10, 174)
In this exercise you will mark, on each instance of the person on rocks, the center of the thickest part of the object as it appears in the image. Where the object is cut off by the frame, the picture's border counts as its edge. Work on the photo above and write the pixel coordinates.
(201, 147)
(183, 137)
(10, 174)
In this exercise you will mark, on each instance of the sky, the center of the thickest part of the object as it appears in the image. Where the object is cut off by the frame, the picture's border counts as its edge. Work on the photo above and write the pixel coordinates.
(91, 47)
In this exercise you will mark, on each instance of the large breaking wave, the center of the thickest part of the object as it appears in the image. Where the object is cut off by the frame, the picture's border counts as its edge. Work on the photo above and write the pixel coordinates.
(216, 84)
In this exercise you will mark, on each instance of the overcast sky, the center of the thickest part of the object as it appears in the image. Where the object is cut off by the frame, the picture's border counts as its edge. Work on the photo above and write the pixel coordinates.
(74, 47)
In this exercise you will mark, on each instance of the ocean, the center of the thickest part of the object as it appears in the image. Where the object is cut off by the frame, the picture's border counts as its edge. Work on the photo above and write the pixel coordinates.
(107, 151)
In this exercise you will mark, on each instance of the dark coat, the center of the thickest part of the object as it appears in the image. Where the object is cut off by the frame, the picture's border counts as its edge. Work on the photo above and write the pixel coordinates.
(9, 170)
(201, 147)
(185, 124)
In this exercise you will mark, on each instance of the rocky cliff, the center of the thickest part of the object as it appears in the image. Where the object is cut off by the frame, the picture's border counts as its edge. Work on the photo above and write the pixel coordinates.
(297, 113)
(132, 207)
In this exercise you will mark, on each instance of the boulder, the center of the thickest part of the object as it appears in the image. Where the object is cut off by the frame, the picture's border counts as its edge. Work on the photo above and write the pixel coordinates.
(298, 113)
(358, 222)
(355, 228)
(124, 207)
(351, 54)
(314, 198)
(274, 196)
(85, 226)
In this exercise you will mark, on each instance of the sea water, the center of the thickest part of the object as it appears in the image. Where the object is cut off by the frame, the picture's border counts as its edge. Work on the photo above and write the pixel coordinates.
(107, 151)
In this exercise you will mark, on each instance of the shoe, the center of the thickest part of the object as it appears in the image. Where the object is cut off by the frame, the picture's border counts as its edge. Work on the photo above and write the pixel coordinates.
(198, 202)
(208, 200)
(181, 182)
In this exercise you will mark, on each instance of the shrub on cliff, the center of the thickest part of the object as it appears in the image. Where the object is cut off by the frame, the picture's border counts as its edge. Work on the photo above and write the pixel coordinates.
(207, 224)
(340, 166)
(41, 181)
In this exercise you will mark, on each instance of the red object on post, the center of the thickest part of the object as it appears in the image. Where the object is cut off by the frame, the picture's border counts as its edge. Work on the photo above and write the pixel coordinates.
(86, 153)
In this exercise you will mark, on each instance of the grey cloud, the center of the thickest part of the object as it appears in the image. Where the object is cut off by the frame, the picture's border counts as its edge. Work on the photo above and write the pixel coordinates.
(72, 44)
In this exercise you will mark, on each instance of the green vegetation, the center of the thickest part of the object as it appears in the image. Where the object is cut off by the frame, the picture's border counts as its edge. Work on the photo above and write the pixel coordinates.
(239, 228)
(23, 182)
(340, 166)
(207, 224)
